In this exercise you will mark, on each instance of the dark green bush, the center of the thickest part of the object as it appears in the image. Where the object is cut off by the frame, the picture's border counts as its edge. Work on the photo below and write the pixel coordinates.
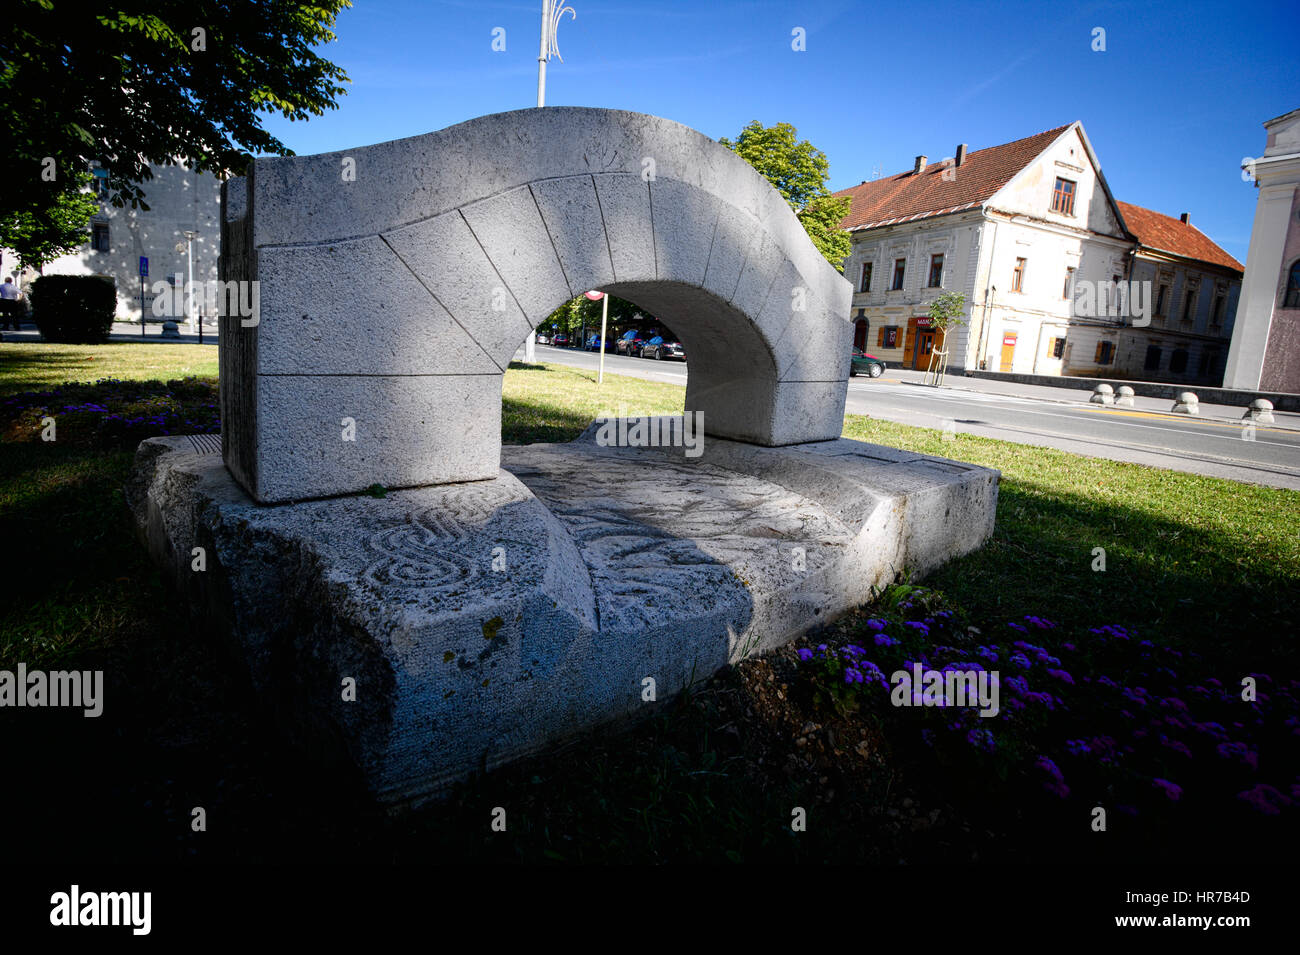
(74, 309)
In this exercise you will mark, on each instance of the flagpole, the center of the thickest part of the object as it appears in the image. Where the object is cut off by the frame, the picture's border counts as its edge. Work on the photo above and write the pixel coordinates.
(552, 10)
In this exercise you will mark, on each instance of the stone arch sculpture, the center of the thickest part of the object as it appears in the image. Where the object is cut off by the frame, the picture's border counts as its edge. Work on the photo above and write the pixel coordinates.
(397, 280)
(506, 599)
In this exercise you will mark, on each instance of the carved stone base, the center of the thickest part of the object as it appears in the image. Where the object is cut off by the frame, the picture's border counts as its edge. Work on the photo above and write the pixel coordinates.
(481, 622)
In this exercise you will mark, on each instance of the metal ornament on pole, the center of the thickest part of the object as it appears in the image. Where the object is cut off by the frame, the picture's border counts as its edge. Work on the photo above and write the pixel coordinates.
(552, 10)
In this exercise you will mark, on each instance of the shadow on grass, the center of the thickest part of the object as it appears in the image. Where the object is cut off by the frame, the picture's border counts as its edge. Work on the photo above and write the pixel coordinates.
(181, 727)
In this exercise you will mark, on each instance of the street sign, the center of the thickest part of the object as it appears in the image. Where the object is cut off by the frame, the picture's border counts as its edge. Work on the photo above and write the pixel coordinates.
(144, 266)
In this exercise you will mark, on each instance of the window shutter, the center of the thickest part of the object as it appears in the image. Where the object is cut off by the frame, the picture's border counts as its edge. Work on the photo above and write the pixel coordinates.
(880, 338)
(1097, 357)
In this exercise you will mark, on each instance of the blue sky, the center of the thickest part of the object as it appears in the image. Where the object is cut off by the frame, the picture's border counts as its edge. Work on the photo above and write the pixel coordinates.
(1171, 106)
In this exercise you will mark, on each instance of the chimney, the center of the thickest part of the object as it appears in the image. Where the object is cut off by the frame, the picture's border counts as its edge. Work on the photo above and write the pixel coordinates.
(961, 155)
(1186, 218)
(920, 164)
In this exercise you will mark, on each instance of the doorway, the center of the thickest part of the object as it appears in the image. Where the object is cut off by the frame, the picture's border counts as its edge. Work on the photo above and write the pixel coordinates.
(924, 346)
(1008, 351)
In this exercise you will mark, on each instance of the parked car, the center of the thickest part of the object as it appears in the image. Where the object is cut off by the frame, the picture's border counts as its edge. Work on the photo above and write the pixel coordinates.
(630, 342)
(592, 343)
(543, 338)
(658, 348)
(869, 365)
(560, 340)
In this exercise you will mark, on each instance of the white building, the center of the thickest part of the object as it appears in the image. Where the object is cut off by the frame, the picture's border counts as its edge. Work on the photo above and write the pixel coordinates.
(1020, 229)
(180, 201)
(1265, 353)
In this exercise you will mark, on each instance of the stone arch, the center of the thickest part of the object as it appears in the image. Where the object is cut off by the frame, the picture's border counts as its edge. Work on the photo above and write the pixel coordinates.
(396, 281)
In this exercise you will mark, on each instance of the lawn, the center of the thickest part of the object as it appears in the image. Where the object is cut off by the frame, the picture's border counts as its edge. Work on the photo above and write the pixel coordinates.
(31, 366)
(1204, 571)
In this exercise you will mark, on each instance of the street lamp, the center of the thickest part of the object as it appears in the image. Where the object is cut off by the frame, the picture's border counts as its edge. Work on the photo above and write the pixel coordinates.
(190, 236)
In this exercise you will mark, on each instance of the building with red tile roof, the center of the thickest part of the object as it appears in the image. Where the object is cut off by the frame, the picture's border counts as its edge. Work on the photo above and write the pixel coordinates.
(1047, 259)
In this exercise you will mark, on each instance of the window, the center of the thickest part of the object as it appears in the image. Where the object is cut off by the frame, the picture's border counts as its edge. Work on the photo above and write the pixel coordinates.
(936, 271)
(99, 180)
(1018, 276)
(900, 268)
(1216, 313)
(1105, 353)
(888, 337)
(1117, 296)
(1063, 197)
(99, 236)
(1056, 347)
(1189, 304)
(865, 285)
(1178, 361)
(1069, 283)
(1152, 362)
(1292, 297)
(1162, 296)
(1209, 362)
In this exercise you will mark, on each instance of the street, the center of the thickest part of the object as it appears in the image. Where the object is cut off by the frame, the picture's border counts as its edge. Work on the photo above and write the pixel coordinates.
(1214, 444)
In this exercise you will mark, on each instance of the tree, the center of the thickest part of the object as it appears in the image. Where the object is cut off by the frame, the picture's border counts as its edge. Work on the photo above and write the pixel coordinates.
(141, 82)
(798, 171)
(40, 235)
(945, 312)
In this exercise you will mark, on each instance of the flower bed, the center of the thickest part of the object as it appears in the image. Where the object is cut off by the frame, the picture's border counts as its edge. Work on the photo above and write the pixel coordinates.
(113, 412)
(1100, 716)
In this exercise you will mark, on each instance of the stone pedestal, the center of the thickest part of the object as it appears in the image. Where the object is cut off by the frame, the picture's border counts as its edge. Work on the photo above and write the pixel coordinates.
(480, 622)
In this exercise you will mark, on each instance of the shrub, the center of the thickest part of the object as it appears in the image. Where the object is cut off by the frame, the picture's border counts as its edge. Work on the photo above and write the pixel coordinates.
(74, 309)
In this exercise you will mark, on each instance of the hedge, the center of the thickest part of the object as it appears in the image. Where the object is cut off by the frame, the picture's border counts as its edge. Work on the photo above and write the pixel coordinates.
(74, 309)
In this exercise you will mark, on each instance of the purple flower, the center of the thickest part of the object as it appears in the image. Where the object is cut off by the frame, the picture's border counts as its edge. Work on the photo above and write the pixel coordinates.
(876, 623)
(1020, 660)
(805, 653)
(1172, 790)
(884, 640)
(1077, 747)
(1265, 799)
(1240, 752)
(917, 625)
(852, 675)
(1062, 676)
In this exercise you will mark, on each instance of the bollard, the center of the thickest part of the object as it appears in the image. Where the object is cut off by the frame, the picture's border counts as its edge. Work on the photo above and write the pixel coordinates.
(1187, 403)
(1261, 411)
(1124, 396)
(1103, 394)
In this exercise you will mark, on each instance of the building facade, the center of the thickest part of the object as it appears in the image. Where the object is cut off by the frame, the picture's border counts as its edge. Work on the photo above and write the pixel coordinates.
(180, 200)
(1030, 234)
(1265, 353)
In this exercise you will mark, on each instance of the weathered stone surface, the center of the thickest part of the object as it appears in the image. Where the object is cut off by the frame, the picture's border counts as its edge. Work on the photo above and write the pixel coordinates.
(484, 621)
(471, 236)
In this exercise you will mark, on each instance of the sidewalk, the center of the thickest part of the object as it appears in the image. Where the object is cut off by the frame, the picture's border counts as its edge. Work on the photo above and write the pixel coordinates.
(1077, 396)
(128, 332)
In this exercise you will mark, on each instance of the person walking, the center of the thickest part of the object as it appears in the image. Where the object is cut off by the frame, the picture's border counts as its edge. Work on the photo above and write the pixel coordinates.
(12, 308)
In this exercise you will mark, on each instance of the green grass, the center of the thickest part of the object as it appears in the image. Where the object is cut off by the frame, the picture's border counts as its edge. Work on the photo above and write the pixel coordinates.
(1198, 562)
(31, 366)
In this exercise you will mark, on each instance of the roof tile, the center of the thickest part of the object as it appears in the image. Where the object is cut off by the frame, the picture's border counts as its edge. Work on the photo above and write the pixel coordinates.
(1167, 234)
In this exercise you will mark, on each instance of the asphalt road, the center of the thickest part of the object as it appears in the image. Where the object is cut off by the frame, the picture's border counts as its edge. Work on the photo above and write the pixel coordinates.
(1053, 417)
